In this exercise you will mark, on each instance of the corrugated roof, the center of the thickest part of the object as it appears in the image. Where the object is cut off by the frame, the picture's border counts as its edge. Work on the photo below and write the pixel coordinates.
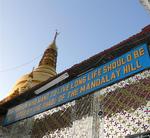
(77, 69)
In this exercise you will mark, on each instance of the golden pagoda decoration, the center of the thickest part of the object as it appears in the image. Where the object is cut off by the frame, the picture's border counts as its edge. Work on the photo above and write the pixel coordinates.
(45, 70)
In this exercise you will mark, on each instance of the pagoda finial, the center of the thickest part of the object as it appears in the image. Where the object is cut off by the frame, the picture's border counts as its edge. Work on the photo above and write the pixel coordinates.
(56, 34)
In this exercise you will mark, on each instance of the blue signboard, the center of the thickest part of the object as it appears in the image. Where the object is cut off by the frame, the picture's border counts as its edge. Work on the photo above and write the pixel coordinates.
(124, 66)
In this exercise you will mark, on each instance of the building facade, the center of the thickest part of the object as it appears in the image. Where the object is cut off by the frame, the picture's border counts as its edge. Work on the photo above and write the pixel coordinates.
(111, 106)
(146, 4)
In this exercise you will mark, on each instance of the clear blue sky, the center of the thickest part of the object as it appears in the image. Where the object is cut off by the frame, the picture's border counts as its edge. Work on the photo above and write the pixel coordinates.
(87, 27)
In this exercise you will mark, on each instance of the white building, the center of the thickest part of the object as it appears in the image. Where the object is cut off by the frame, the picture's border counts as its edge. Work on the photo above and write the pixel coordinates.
(146, 4)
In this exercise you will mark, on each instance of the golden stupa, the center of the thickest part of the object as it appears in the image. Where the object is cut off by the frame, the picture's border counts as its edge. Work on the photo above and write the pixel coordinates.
(45, 70)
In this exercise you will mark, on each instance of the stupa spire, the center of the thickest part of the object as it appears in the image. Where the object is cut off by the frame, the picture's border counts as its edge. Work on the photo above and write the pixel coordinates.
(45, 70)
(56, 34)
(50, 55)
(53, 44)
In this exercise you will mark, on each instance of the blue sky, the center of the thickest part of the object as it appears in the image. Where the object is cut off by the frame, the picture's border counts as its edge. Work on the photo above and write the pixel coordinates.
(86, 28)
